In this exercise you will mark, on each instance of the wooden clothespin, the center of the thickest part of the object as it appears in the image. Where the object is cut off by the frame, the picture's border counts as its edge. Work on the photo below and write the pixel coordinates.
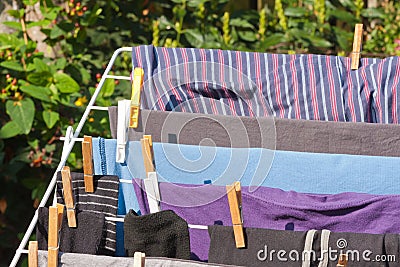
(55, 220)
(139, 259)
(68, 196)
(147, 152)
(138, 76)
(151, 182)
(87, 154)
(33, 254)
(342, 260)
(356, 54)
(235, 205)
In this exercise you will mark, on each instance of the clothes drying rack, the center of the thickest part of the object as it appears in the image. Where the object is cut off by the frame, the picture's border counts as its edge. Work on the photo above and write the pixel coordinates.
(68, 145)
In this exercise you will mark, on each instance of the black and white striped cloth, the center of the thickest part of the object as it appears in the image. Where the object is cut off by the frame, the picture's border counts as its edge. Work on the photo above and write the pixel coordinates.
(103, 200)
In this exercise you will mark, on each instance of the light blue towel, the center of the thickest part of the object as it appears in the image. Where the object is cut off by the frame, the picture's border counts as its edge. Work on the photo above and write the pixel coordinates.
(298, 171)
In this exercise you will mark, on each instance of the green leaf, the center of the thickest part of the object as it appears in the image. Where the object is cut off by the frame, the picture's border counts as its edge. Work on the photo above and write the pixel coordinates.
(50, 118)
(50, 148)
(12, 65)
(40, 65)
(30, 2)
(39, 92)
(56, 32)
(372, 13)
(348, 3)
(108, 88)
(295, 11)
(65, 84)
(194, 37)
(10, 129)
(13, 24)
(344, 38)
(34, 144)
(8, 39)
(22, 113)
(66, 25)
(249, 36)
(42, 78)
(50, 13)
(273, 40)
(61, 63)
(40, 23)
(343, 16)
(14, 13)
(179, 11)
(319, 42)
(238, 22)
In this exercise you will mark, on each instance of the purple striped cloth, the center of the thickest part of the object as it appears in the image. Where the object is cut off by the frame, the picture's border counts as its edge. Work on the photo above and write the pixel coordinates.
(313, 87)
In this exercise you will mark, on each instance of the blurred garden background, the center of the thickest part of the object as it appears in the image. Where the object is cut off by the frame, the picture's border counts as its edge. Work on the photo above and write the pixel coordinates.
(53, 53)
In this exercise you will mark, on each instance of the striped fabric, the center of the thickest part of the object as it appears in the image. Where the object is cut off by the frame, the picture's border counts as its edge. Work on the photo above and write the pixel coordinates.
(381, 81)
(103, 200)
(312, 87)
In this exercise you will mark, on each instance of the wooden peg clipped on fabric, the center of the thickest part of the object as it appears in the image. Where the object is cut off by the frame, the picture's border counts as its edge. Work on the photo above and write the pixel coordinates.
(60, 213)
(148, 137)
(55, 218)
(138, 76)
(147, 153)
(68, 196)
(357, 42)
(139, 259)
(342, 260)
(235, 205)
(87, 154)
(33, 254)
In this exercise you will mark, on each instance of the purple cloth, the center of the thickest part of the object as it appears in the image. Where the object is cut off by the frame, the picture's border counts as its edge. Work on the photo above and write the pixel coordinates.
(273, 208)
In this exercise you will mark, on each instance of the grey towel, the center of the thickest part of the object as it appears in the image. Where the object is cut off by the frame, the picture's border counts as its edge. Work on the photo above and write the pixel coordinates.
(103, 200)
(75, 259)
(259, 243)
(272, 133)
(263, 246)
(160, 234)
(85, 238)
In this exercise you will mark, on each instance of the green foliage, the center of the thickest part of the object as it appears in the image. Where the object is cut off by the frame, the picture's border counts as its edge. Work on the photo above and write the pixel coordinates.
(46, 85)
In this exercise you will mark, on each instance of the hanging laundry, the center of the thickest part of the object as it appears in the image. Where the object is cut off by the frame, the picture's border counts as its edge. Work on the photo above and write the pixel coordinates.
(312, 87)
(272, 208)
(312, 248)
(75, 259)
(160, 234)
(264, 132)
(85, 238)
(104, 200)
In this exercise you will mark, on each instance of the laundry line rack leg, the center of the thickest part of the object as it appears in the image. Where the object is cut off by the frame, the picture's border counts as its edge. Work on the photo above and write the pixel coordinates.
(66, 153)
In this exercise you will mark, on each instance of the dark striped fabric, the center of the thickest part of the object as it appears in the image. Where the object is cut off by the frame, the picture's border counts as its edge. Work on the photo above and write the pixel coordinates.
(312, 87)
(104, 200)
(381, 81)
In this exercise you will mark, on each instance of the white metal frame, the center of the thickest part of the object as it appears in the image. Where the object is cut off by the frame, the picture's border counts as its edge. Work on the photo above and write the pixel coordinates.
(67, 150)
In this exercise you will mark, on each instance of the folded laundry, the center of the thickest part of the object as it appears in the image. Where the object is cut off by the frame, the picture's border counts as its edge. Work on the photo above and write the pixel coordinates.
(103, 200)
(86, 238)
(289, 248)
(273, 208)
(264, 132)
